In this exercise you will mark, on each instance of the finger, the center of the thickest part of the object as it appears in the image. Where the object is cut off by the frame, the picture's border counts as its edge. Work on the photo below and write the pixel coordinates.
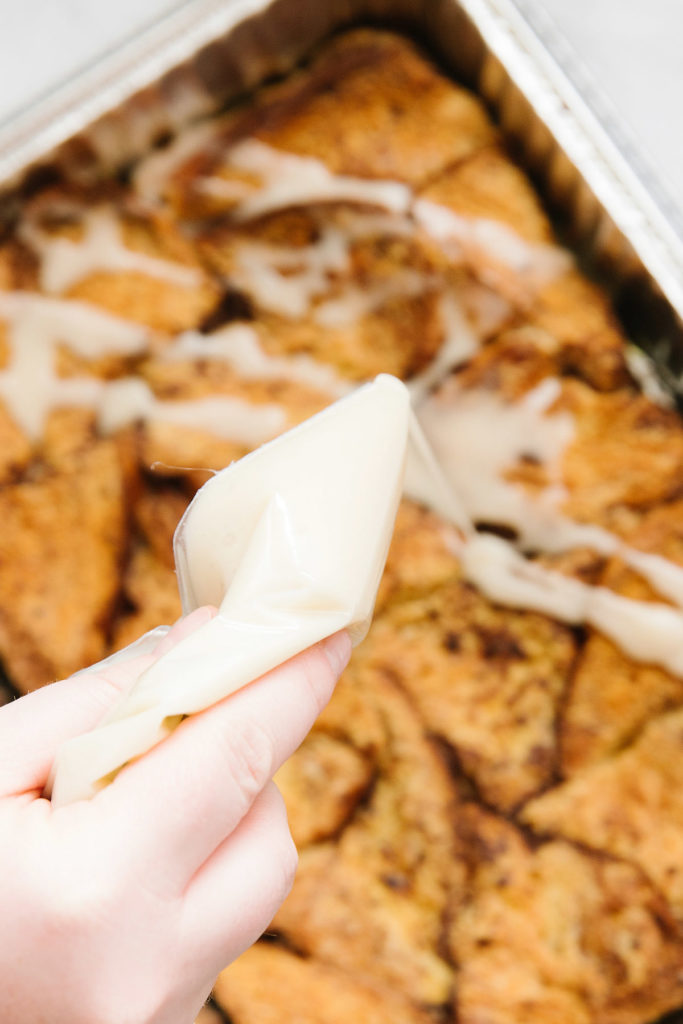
(33, 727)
(233, 898)
(174, 806)
(148, 643)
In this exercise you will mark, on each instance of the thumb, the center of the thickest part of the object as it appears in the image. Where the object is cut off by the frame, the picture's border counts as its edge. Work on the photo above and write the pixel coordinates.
(33, 727)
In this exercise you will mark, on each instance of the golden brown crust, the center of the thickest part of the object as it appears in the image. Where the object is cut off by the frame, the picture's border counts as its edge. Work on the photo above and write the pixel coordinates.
(360, 89)
(373, 902)
(517, 360)
(15, 448)
(133, 294)
(179, 450)
(6, 694)
(63, 537)
(322, 784)
(187, 453)
(612, 697)
(421, 557)
(18, 266)
(626, 451)
(552, 934)
(269, 985)
(575, 312)
(485, 679)
(610, 700)
(184, 380)
(398, 327)
(630, 806)
(151, 588)
(158, 511)
(490, 185)
(376, 75)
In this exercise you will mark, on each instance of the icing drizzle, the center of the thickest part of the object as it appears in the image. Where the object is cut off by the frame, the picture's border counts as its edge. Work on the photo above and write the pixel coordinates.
(643, 630)
(289, 282)
(129, 399)
(64, 262)
(288, 180)
(238, 345)
(30, 385)
(476, 436)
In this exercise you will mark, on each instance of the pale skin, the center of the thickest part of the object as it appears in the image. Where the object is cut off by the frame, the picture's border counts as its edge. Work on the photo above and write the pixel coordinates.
(124, 908)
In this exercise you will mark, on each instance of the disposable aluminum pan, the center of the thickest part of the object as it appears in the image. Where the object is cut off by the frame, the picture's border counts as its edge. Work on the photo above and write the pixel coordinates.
(208, 52)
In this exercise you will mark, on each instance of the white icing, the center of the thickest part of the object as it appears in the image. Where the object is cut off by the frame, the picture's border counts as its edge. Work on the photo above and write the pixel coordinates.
(289, 180)
(30, 385)
(86, 329)
(489, 244)
(644, 631)
(459, 344)
(257, 272)
(31, 389)
(291, 282)
(663, 576)
(64, 262)
(476, 437)
(239, 346)
(129, 399)
(286, 281)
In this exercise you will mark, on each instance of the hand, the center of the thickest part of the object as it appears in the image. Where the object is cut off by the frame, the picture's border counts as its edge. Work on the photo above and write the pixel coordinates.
(123, 909)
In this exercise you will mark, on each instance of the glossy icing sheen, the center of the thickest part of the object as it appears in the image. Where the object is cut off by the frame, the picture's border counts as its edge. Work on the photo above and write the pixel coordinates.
(290, 544)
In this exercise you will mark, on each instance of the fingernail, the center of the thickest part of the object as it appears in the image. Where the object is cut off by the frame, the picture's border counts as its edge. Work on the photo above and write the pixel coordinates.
(337, 650)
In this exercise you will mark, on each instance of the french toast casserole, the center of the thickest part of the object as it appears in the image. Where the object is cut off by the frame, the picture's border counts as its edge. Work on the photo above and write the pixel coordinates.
(488, 815)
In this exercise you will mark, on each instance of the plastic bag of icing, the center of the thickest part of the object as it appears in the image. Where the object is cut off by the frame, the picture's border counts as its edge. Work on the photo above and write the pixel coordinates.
(289, 543)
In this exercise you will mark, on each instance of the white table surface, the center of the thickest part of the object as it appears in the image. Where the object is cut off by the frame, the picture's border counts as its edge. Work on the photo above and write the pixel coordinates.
(629, 51)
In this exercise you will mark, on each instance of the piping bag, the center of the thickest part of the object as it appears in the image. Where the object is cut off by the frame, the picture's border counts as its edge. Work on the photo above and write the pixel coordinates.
(289, 543)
